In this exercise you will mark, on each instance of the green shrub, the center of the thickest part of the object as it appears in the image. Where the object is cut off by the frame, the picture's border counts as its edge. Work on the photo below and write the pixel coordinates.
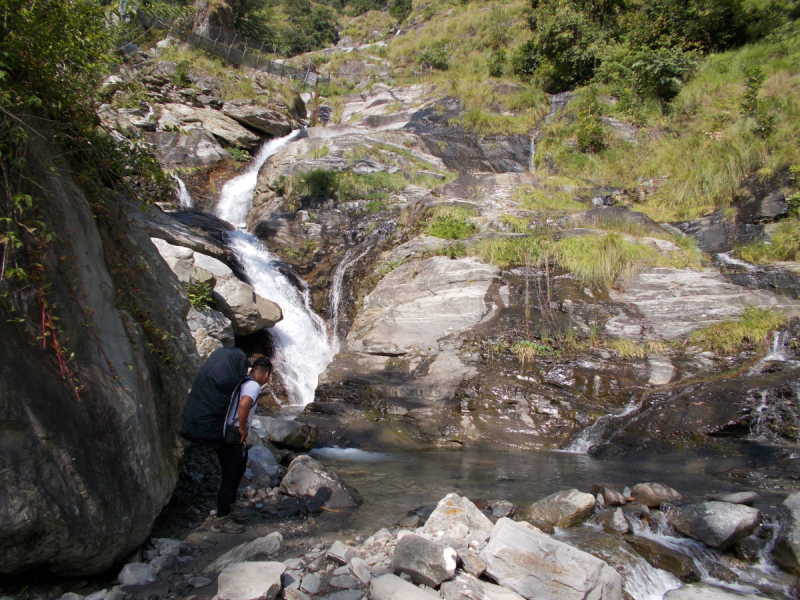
(374, 206)
(181, 76)
(497, 63)
(590, 133)
(784, 245)
(436, 57)
(199, 293)
(238, 154)
(450, 223)
(527, 351)
(400, 9)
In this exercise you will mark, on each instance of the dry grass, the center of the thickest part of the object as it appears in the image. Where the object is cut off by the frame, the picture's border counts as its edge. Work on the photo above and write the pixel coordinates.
(731, 336)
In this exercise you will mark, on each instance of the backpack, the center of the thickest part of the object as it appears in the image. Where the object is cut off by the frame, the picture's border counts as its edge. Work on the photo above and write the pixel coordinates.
(214, 390)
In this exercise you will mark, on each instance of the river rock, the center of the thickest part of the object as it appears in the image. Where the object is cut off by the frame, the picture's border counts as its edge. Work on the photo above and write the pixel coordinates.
(747, 498)
(137, 574)
(285, 433)
(522, 558)
(308, 479)
(311, 583)
(262, 462)
(188, 149)
(263, 547)
(345, 582)
(290, 594)
(716, 524)
(259, 118)
(701, 591)
(391, 587)
(611, 497)
(562, 509)
(360, 569)
(664, 557)
(425, 561)
(750, 548)
(786, 552)
(250, 581)
(454, 512)
(466, 587)
(653, 494)
(502, 508)
(471, 563)
(613, 521)
(341, 553)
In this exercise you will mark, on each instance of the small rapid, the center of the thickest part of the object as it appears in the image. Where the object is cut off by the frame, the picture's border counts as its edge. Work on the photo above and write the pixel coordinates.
(184, 197)
(593, 435)
(302, 349)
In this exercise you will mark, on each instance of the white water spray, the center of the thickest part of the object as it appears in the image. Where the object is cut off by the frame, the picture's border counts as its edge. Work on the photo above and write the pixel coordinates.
(592, 435)
(184, 197)
(236, 197)
(302, 350)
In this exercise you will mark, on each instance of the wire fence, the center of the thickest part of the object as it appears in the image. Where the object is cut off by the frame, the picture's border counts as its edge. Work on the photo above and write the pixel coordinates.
(239, 51)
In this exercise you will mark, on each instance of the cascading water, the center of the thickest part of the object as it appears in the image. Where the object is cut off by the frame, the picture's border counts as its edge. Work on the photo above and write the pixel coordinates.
(184, 197)
(593, 435)
(302, 350)
(236, 197)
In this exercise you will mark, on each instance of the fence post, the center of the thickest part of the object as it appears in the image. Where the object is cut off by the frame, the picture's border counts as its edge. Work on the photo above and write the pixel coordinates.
(258, 58)
(214, 47)
(283, 69)
(231, 46)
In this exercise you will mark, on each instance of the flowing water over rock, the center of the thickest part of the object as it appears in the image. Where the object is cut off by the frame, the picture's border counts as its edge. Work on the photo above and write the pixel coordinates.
(302, 350)
(593, 436)
(184, 197)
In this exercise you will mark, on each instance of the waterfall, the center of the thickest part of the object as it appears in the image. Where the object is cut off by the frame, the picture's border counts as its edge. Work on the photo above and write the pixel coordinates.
(336, 289)
(302, 350)
(184, 197)
(780, 347)
(593, 435)
(236, 197)
(531, 164)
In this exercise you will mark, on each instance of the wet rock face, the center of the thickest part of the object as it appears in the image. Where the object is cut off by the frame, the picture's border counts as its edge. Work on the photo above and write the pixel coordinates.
(787, 547)
(64, 460)
(463, 150)
(716, 524)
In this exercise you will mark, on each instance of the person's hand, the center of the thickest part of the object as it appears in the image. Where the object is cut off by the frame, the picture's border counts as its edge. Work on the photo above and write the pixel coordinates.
(243, 433)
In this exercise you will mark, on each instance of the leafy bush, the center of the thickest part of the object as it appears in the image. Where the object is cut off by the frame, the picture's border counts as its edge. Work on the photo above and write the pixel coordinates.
(400, 9)
(436, 57)
(374, 206)
(199, 293)
(524, 61)
(238, 154)
(590, 135)
(497, 63)
(450, 223)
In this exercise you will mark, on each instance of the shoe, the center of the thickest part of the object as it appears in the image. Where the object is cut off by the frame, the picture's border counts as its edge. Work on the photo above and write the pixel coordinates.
(239, 514)
(226, 525)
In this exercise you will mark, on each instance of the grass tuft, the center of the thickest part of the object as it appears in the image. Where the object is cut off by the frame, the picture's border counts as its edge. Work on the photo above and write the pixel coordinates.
(451, 223)
(730, 336)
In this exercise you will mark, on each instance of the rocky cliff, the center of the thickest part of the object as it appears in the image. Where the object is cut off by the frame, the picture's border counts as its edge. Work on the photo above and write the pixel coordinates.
(88, 461)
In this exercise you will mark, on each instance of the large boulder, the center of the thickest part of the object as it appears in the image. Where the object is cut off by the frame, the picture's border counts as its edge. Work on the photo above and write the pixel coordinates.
(562, 509)
(210, 330)
(263, 463)
(250, 581)
(611, 497)
(522, 558)
(221, 126)
(787, 547)
(456, 516)
(188, 149)
(260, 118)
(716, 524)
(285, 433)
(425, 561)
(653, 494)
(664, 557)
(309, 480)
(86, 471)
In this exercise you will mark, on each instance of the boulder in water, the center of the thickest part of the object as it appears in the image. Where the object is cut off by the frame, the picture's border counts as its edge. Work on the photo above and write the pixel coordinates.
(456, 513)
(747, 498)
(787, 547)
(522, 558)
(611, 496)
(715, 524)
(664, 557)
(309, 480)
(425, 561)
(613, 521)
(653, 494)
(285, 433)
(562, 509)
(250, 581)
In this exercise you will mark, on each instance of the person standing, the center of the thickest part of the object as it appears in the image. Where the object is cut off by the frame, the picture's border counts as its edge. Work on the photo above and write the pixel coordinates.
(232, 454)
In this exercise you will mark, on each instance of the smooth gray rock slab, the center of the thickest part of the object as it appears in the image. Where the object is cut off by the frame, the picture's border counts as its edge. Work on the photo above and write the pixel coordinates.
(563, 509)
(522, 558)
(285, 433)
(344, 582)
(653, 494)
(700, 591)
(263, 547)
(259, 118)
(613, 521)
(221, 126)
(466, 587)
(137, 574)
(250, 581)
(454, 513)
(425, 561)
(715, 524)
(391, 587)
(347, 595)
(611, 496)
(747, 498)
(786, 552)
(308, 479)
(361, 569)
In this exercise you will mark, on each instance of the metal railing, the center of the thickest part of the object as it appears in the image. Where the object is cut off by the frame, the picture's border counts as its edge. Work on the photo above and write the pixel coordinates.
(240, 51)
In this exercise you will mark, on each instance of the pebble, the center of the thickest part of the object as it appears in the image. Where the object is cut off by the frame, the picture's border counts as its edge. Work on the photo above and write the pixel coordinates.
(311, 583)
(294, 564)
(199, 582)
(345, 570)
(345, 582)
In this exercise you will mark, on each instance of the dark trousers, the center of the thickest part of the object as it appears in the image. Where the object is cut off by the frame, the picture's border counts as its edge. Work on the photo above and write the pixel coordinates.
(233, 462)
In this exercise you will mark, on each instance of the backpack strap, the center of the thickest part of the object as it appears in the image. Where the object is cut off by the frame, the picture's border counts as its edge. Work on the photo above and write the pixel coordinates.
(234, 398)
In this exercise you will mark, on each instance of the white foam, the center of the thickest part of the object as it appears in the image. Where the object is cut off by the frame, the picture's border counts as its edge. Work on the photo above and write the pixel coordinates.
(350, 454)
